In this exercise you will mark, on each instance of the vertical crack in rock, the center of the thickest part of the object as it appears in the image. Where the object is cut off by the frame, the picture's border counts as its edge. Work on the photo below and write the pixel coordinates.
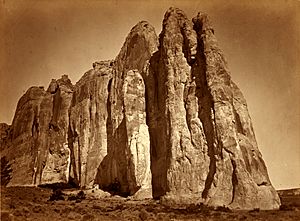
(34, 147)
(231, 147)
(73, 175)
(57, 102)
(206, 112)
(234, 180)
(180, 119)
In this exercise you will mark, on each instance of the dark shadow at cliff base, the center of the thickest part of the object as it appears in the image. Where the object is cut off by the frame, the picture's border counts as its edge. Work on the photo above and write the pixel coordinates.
(56, 186)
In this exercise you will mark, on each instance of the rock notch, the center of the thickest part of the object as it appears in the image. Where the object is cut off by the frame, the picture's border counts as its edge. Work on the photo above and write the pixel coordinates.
(162, 120)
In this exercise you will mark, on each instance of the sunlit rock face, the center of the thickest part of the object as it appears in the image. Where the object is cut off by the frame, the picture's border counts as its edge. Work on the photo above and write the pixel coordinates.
(128, 158)
(87, 130)
(37, 142)
(202, 141)
(162, 120)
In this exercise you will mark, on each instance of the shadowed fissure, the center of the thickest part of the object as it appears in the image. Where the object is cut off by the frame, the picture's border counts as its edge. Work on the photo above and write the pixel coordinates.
(205, 111)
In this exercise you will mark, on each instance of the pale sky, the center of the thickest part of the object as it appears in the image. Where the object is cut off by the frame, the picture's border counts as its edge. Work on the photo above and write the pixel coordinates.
(44, 39)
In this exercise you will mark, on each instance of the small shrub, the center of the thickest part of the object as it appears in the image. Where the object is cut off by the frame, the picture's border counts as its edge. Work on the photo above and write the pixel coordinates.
(119, 207)
(205, 209)
(81, 195)
(284, 207)
(77, 198)
(223, 209)
(57, 195)
(57, 210)
(192, 208)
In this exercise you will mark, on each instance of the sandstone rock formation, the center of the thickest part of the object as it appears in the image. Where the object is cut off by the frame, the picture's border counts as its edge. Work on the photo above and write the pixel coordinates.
(203, 145)
(38, 147)
(128, 159)
(87, 130)
(164, 119)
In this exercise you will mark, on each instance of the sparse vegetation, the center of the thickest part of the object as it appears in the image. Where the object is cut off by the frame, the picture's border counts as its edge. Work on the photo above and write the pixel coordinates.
(223, 209)
(57, 195)
(78, 197)
(286, 207)
(28, 203)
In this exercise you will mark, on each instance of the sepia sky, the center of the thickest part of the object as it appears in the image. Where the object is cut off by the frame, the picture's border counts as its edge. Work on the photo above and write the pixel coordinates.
(44, 39)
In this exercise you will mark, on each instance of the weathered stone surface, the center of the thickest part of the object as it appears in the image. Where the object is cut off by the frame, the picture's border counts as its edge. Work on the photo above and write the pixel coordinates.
(180, 158)
(165, 121)
(128, 158)
(4, 135)
(56, 166)
(38, 150)
(88, 129)
(203, 144)
(21, 151)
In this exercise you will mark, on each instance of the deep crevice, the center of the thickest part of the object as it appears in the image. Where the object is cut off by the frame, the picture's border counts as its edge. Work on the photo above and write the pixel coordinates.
(72, 180)
(234, 179)
(56, 108)
(205, 110)
(238, 122)
(79, 156)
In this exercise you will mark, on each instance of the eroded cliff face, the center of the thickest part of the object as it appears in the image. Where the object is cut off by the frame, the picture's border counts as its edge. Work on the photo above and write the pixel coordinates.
(37, 147)
(201, 132)
(88, 130)
(128, 158)
(164, 119)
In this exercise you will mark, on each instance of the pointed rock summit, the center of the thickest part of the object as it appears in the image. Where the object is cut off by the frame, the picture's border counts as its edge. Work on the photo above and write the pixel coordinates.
(162, 120)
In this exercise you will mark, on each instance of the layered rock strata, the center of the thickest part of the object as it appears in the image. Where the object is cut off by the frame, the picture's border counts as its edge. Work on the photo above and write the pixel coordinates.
(164, 119)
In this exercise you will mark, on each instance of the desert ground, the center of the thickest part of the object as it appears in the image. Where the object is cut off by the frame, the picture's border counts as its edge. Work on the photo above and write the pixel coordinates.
(31, 203)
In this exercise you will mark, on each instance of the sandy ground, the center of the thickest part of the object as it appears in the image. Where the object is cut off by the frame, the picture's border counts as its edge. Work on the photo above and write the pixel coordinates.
(28, 203)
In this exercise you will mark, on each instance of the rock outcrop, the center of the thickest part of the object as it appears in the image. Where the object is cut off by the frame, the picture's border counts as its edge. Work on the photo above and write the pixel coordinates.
(87, 130)
(164, 119)
(128, 158)
(203, 144)
(37, 147)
